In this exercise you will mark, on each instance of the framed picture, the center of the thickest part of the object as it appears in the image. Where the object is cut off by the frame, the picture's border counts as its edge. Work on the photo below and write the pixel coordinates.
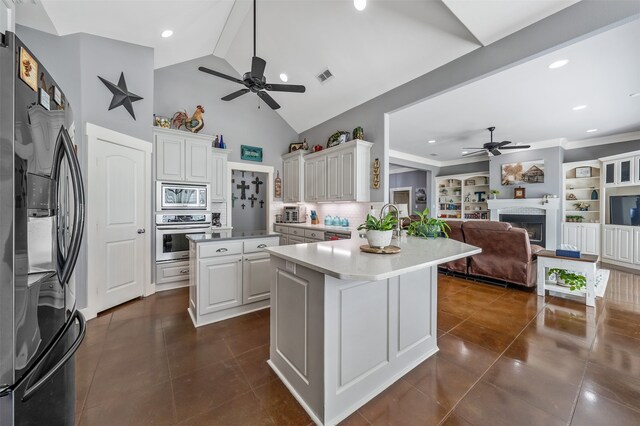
(519, 193)
(470, 182)
(250, 153)
(583, 172)
(523, 172)
(28, 69)
(295, 146)
(44, 99)
(57, 95)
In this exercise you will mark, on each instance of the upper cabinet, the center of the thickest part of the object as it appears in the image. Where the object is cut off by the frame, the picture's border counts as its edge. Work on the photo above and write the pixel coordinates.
(219, 174)
(182, 156)
(293, 174)
(340, 173)
(622, 170)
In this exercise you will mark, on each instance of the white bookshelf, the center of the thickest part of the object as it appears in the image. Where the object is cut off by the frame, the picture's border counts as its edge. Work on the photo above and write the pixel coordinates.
(463, 196)
(580, 190)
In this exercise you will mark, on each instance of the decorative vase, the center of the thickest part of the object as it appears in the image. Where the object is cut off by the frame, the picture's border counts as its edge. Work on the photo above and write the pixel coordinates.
(379, 239)
(494, 196)
(594, 195)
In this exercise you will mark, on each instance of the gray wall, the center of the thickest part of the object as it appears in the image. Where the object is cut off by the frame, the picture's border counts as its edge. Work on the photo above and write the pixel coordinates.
(75, 61)
(553, 159)
(479, 167)
(599, 151)
(416, 179)
(248, 218)
(565, 27)
(182, 86)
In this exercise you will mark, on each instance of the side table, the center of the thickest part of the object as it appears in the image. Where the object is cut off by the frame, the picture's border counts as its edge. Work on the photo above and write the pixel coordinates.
(586, 265)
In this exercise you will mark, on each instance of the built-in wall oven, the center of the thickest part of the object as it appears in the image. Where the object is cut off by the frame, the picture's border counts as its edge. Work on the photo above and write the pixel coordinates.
(176, 196)
(172, 230)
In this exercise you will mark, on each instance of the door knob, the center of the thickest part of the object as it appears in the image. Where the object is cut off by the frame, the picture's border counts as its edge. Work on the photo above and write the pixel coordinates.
(141, 231)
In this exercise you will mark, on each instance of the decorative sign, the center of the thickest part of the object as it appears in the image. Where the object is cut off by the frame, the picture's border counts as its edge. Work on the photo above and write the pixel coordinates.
(583, 172)
(28, 69)
(57, 95)
(277, 186)
(44, 99)
(250, 153)
(376, 174)
(121, 95)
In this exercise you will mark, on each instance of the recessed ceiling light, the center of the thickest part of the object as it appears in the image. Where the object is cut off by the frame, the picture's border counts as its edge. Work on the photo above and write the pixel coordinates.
(592, 130)
(635, 95)
(284, 77)
(360, 4)
(558, 64)
(579, 107)
(431, 141)
(167, 33)
(465, 152)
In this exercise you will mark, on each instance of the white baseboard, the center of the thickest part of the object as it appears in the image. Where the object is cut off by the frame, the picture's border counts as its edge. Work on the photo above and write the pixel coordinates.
(88, 313)
(171, 286)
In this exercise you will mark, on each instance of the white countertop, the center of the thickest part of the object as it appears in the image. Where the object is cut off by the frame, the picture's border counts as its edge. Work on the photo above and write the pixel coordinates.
(319, 227)
(344, 260)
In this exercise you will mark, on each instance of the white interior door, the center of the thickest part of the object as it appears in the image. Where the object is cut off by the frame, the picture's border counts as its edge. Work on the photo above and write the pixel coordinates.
(119, 244)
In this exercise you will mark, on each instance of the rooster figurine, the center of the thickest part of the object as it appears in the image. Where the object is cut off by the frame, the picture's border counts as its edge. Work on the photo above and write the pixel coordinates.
(194, 123)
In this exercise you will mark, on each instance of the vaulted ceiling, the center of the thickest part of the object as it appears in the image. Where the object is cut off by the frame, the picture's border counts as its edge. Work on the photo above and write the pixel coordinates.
(369, 52)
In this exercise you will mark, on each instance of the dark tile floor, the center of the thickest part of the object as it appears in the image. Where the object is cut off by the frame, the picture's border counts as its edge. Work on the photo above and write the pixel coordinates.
(507, 357)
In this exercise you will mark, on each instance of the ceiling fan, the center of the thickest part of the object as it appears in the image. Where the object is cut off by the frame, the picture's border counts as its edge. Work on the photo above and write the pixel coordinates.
(492, 147)
(254, 80)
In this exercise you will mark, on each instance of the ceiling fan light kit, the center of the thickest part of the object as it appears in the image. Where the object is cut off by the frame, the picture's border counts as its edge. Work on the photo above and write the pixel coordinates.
(492, 148)
(254, 80)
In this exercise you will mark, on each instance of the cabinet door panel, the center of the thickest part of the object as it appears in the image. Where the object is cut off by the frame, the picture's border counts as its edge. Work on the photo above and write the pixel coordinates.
(321, 179)
(625, 171)
(610, 173)
(333, 177)
(256, 277)
(198, 165)
(218, 177)
(590, 239)
(609, 247)
(220, 284)
(636, 170)
(310, 181)
(636, 247)
(571, 235)
(348, 175)
(625, 245)
(170, 158)
(296, 240)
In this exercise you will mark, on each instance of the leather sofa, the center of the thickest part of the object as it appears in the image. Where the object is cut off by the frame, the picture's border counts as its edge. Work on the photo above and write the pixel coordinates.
(507, 254)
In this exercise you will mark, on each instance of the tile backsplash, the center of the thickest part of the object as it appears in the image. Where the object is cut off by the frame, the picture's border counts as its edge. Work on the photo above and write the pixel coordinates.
(354, 212)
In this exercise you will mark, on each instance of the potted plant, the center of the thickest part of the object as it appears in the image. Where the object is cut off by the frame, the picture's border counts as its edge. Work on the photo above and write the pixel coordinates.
(379, 230)
(494, 193)
(427, 226)
(569, 279)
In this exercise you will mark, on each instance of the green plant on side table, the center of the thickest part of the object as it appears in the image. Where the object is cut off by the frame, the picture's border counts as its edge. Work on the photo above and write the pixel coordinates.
(427, 226)
(571, 279)
(379, 230)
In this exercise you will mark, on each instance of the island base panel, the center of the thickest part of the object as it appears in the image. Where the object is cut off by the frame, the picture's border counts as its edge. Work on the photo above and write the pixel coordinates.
(199, 321)
(336, 344)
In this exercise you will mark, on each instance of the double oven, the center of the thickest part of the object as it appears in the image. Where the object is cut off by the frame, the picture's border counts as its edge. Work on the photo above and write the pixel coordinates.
(181, 210)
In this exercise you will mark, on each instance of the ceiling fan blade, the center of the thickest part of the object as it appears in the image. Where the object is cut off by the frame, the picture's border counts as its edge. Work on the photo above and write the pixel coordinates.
(516, 147)
(219, 74)
(268, 99)
(234, 95)
(495, 152)
(257, 67)
(474, 147)
(503, 143)
(469, 154)
(294, 88)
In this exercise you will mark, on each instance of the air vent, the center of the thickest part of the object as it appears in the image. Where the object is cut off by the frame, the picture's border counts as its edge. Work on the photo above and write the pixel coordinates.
(324, 76)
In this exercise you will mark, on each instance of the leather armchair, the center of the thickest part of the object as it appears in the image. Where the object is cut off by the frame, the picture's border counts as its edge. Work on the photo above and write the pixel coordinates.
(456, 233)
(506, 252)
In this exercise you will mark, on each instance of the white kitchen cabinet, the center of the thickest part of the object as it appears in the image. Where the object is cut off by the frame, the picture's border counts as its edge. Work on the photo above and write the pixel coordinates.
(181, 156)
(170, 164)
(284, 240)
(199, 159)
(310, 181)
(293, 175)
(220, 284)
(624, 236)
(333, 176)
(315, 179)
(609, 246)
(293, 239)
(256, 277)
(621, 172)
(636, 246)
(219, 160)
(584, 236)
(636, 170)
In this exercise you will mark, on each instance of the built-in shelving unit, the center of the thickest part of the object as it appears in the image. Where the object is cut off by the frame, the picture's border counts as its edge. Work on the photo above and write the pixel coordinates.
(463, 196)
(582, 192)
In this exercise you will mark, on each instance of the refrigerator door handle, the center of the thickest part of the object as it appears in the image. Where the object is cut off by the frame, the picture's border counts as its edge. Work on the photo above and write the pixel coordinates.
(64, 147)
(32, 389)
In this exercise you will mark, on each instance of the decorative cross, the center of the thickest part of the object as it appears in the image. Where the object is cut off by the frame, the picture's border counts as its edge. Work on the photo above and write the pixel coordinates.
(253, 199)
(243, 206)
(261, 203)
(233, 200)
(243, 187)
(257, 182)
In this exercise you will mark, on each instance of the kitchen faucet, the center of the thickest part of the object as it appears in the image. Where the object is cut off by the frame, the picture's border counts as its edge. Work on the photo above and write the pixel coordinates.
(398, 231)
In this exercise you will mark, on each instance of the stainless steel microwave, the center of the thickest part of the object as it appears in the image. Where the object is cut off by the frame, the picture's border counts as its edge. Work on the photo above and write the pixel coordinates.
(175, 196)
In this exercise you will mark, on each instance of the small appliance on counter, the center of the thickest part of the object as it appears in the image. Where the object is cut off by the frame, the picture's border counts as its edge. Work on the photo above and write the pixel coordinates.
(295, 214)
(215, 220)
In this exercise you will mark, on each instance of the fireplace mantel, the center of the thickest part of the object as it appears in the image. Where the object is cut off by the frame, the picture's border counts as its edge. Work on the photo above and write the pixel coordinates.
(547, 206)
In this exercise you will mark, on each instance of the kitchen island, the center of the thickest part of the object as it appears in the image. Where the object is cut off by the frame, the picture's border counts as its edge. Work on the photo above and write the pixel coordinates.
(228, 274)
(346, 324)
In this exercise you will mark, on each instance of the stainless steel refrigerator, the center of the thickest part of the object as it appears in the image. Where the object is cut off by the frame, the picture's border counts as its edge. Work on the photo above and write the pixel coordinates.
(41, 226)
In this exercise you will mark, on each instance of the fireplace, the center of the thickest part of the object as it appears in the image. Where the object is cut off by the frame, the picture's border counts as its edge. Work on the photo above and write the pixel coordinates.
(535, 225)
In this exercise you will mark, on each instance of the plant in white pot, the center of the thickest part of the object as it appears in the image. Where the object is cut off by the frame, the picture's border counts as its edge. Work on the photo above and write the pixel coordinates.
(379, 230)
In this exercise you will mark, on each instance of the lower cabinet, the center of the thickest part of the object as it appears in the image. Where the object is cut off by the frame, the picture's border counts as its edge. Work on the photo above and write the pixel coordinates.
(256, 277)
(585, 236)
(220, 282)
(620, 243)
(636, 246)
(294, 239)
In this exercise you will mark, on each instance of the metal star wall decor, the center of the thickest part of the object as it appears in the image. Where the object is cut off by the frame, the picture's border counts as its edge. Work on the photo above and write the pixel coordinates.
(121, 95)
